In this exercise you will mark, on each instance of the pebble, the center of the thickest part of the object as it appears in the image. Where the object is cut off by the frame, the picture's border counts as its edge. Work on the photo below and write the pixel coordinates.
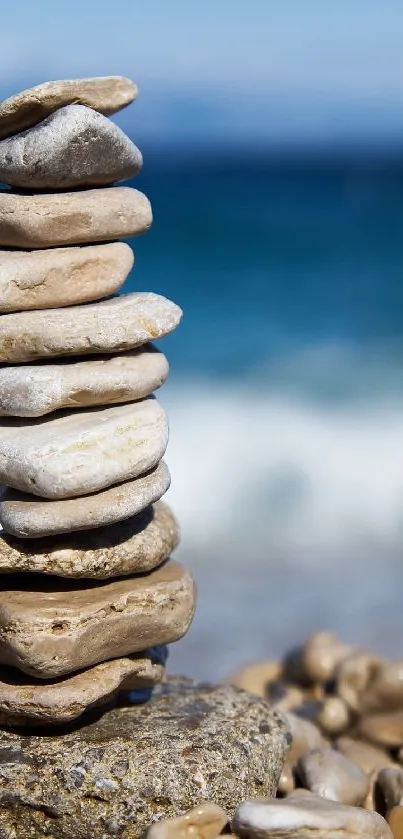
(388, 790)
(331, 775)
(284, 697)
(134, 546)
(116, 325)
(256, 677)
(369, 758)
(36, 390)
(72, 218)
(29, 517)
(286, 784)
(81, 452)
(385, 690)
(206, 821)
(306, 816)
(333, 716)
(73, 147)
(62, 276)
(305, 737)
(50, 626)
(106, 94)
(191, 742)
(26, 701)
(383, 729)
(395, 822)
(355, 675)
(321, 655)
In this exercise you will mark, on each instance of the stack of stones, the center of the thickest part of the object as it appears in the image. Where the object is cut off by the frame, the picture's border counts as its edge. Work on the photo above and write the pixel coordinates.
(89, 596)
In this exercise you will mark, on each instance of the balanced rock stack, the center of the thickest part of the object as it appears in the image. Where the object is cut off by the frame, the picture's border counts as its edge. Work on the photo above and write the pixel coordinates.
(81, 436)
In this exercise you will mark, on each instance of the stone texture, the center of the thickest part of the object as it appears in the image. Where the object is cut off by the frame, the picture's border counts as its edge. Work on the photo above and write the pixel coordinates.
(333, 776)
(136, 545)
(72, 218)
(27, 701)
(78, 453)
(306, 816)
(106, 94)
(36, 390)
(122, 323)
(62, 276)
(206, 821)
(136, 765)
(50, 626)
(29, 517)
(73, 147)
(383, 729)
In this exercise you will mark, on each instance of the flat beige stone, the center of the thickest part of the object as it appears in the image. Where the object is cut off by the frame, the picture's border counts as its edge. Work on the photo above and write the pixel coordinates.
(134, 546)
(29, 517)
(35, 390)
(116, 325)
(72, 218)
(106, 94)
(78, 453)
(27, 701)
(73, 147)
(62, 276)
(49, 627)
(206, 821)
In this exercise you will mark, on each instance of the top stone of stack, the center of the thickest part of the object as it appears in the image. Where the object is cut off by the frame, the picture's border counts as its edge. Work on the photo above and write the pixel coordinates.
(105, 94)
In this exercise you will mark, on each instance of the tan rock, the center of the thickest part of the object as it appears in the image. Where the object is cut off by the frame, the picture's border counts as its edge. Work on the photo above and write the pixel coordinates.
(383, 729)
(331, 775)
(395, 822)
(73, 147)
(110, 326)
(29, 517)
(385, 690)
(286, 784)
(283, 696)
(82, 452)
(304, 817)
(255, 677)
(203, 822)
(106, 94)
(27, 701)
(369, 758)
(62, 276)
(355, 674)
(305, 737)
(333, 716)
(321, 654)
(72, 218)
(134, 546)
(36, 390)
(50, 627)
(388, 792)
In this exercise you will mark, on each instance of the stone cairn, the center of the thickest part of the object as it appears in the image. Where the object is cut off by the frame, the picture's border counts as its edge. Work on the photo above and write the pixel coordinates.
(81, 436)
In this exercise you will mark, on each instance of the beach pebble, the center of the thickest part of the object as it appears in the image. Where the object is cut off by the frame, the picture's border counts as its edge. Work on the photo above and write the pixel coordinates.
(383, 729)
(395, 822)
(328, 773)
(50, 627)
(385, 690)
(106, 94)
(306, 816)
(305, 737)
(81, 452)
(190, 743)
(62, 276)
(369, 758)
(283, 696)
(355, 674)
(36, 390)
(333, 716)
(116, 325)
(27, 701)
(206, 821)
(30, 517)
(255, 677)
(388, 791)
(286, 784)
(321, 655)
(72, 218)
(134, 546)
(73, 147)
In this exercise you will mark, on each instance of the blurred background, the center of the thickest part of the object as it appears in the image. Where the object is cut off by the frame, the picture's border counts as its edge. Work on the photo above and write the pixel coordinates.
(272, 135)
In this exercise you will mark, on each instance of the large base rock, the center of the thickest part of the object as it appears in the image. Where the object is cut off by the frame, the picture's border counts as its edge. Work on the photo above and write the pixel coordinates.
(116, 774)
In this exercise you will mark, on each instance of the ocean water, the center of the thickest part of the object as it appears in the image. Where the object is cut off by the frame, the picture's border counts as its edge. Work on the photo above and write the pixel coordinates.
(285, 396)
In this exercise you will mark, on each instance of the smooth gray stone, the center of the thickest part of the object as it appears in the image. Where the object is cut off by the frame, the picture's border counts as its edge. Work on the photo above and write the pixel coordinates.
(73, 147)
(330, 774)
(135, 765)
(106, 94)
(77, 453)
(36, 390)
(116, 325)
(30, 517)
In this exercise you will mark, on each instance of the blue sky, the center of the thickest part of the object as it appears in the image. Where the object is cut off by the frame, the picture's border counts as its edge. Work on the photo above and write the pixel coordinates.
(262, 70)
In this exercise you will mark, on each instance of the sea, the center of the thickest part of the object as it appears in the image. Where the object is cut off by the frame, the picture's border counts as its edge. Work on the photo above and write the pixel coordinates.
(285, 395)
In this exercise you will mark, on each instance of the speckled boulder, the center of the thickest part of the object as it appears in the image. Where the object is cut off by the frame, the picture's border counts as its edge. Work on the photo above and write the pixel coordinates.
(115, 775)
